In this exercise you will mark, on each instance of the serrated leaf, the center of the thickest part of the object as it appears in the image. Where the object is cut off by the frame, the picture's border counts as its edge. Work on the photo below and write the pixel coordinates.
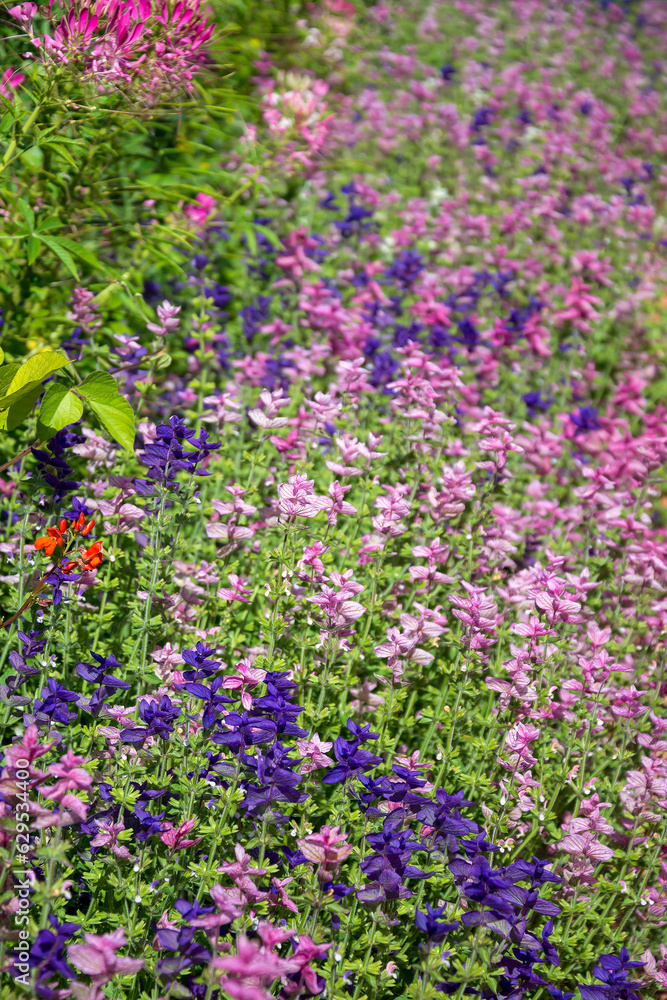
(59, 408)
(112, 409)
(16, 413)
(37, 368)
(61, 253)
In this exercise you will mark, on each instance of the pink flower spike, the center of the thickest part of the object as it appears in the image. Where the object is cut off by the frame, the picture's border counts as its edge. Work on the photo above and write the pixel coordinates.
(28, 749)
(97, 957)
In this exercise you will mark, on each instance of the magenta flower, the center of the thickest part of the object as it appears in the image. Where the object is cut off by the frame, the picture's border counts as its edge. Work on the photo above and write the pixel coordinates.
(200, 211)
(234, 506)
(107, 836)
(278, 896)
(29, 748)
(586, 846)
(247, 678)
(23, 12)
(338, 609)
(298, 499)
(238, 591)
(327, 849)
(306, 952)
(517, 747)
(254, 964)
(315, 752)
(97, 958)
(177, 839)
(656, 969)
(11, 79)
(119, 43)
(230, 904)
(334, 504)
(70, 776)
(242, 866)
(267, 418)
(168, 320)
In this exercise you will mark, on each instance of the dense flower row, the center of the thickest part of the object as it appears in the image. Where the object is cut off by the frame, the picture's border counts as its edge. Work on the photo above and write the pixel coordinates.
(366, 695)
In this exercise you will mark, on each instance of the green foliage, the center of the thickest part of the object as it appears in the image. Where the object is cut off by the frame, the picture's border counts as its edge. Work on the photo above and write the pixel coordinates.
(112, 409)
(60, 407)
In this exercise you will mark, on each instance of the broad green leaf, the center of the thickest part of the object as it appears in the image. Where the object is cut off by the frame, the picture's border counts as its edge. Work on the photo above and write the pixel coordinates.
(61, 253)
(7, 373)
(14, 397)
(113, 410)
(59, 408)
(2, 355)
(14, 415)
(37, 368)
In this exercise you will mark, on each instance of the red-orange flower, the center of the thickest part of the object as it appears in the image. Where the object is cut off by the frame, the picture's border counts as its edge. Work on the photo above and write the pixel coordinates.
(92, 557)
(51, 541)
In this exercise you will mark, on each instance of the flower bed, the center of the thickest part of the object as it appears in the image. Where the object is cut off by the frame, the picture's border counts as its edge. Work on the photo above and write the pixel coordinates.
(333, 532)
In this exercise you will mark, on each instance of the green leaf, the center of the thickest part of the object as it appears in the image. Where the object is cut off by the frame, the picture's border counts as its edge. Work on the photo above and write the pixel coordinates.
(273, 239)
(27, 213)
(251, 239)
(113, 410)
(37, 368)
(14, 397)
(59, 408)
(2, 355)
(53, 222)
(46, 134)
(33, 249)
(21, 408)
(7, 373)
(7, 122)
(61, 150)
(162, 361)
(61, 253)
(33, 158)
(83, 252)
